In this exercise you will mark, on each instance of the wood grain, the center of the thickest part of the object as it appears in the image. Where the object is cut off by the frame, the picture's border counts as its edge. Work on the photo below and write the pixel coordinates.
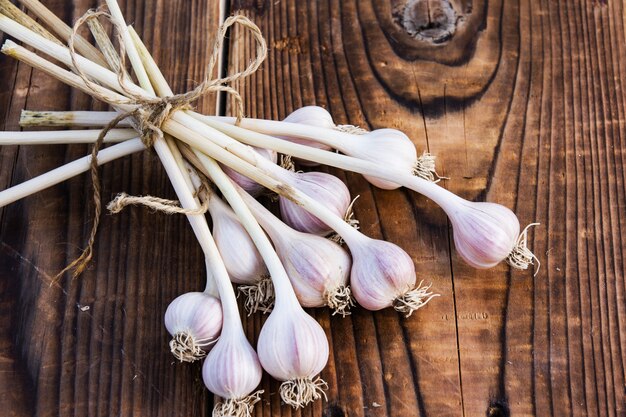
(523, 103)
(96, 346)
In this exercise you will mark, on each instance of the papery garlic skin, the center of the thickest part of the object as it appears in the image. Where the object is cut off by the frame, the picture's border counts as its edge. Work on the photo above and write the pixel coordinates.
(239, 253)
(232, 369)
(484, 233)
(194, 320)
(246, 183)
(322, 187)
(292, 345)
(381, 272)
(315, 265)
(389, 147)
(312, 116)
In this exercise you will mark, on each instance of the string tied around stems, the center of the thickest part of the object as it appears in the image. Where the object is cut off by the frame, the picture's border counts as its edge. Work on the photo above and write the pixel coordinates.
(150, 113)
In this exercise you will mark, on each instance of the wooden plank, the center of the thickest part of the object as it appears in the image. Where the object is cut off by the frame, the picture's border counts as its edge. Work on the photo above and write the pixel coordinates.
(523, 105)
(524, 120)
(97, 346)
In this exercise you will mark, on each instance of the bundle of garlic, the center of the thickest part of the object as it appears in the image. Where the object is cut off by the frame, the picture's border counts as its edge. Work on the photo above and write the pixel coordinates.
(217, 165)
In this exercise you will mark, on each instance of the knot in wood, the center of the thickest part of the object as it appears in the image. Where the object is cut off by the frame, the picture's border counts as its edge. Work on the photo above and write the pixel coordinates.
(433, 21)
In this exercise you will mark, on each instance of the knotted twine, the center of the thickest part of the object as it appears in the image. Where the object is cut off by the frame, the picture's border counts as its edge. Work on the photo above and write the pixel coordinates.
(150, 113)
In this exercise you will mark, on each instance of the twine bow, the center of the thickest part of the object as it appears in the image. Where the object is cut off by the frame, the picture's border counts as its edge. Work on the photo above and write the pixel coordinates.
(150, 113)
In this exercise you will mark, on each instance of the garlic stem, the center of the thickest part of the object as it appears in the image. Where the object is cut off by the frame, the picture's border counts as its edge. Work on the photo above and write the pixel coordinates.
(336, 139)
(20, 53)
(62, 54)
(64, 137)
(63, 31)
(67, 171)
(9, 9)
(131, 51)
(72, 118)
(105, 45)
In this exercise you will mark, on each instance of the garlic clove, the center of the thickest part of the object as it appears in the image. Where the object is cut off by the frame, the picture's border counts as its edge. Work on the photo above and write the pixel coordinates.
(232, 370)
(383, 275)
(246, 183)
(318, 270)
(484, 233)
(194, 320)
(321, 187)
(239, 253)
(293, 348)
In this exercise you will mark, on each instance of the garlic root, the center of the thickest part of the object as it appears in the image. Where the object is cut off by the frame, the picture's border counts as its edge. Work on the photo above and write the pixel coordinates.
(521, 257)
(414, 299)
(300, 392)
(258, 296)
(237, 407)
(186, 348)
(339, 300)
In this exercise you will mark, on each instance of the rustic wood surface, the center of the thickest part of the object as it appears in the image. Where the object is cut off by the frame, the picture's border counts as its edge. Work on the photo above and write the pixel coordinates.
(522, 102)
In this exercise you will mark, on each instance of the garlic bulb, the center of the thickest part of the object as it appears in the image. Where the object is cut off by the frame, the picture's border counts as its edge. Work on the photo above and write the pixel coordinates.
(383, 275)
(241, 257)
(484, 233)
(388, 147)
(318, 268)
(293, 348)
(194, 320)
(232, 370)
(246, 183)
(311, 116)
(321, 187)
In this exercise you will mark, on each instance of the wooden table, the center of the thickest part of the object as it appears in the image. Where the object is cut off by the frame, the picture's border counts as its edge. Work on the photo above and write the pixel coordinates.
(523, 103)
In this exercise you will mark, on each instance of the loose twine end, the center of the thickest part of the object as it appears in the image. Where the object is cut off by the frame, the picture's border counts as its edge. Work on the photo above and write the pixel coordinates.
(237, 407)
(150, 114)
(340, 300)
(155, 203)
(258, 296)
(521, 257)
(425, 168)
(299, 392)
(414, 299)
(186, 348)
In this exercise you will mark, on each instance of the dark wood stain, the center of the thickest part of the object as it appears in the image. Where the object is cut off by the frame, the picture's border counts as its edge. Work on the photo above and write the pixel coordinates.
(524, 105)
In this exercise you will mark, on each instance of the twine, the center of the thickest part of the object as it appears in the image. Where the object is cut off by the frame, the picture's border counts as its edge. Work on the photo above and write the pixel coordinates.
(151, 113)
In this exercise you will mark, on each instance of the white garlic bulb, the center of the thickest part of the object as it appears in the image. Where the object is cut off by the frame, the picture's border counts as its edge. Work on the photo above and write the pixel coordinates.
(318, 269)
(321, 187)
(293, 348)
(241, 257)
(484, 233)
(312, 116)
(383, 275)
(389, 147)
(244, 182)
(232, 370)
(194, 320)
